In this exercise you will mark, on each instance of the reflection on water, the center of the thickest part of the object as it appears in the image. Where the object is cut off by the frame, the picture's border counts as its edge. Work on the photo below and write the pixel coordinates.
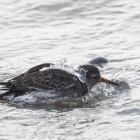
(35, 32)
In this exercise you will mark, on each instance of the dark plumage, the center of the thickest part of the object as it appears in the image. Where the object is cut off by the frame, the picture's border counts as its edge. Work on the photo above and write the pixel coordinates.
(54, 80)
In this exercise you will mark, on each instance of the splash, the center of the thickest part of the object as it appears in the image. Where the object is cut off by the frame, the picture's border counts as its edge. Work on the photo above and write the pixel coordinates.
(38, 97)
(104, 91)
(70, 68)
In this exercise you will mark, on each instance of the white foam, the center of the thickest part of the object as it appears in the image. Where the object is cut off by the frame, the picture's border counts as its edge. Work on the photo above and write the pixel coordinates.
(38, 97)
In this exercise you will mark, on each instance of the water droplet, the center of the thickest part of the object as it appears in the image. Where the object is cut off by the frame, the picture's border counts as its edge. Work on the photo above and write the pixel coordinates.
(63, 60)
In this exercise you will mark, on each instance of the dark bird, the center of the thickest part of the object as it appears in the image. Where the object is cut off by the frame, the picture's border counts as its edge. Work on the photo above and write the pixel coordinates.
(54, 80)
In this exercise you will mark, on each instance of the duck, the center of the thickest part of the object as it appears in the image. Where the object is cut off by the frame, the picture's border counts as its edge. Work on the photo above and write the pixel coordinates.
(44, 78)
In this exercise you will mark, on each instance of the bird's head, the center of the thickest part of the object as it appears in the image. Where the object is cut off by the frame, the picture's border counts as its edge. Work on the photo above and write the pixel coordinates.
(93, 76)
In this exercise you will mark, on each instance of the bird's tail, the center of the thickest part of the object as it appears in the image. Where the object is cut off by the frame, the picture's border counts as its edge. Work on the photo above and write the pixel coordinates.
(4, 83)
(4, 87)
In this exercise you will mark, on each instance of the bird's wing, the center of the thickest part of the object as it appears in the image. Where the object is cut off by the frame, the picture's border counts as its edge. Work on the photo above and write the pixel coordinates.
(51, 79)
(33, 69)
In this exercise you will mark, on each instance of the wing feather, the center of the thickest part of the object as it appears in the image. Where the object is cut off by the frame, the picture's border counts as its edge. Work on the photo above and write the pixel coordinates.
(52, 79)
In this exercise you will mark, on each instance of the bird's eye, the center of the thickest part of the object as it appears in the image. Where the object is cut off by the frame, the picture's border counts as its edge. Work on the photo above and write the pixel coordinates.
(94, 75)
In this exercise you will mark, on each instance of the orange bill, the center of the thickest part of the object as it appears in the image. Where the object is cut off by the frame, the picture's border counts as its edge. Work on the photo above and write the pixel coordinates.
(108, 81)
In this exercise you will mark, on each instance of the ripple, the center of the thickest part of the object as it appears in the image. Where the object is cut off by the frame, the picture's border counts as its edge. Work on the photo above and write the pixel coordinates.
(35, 32)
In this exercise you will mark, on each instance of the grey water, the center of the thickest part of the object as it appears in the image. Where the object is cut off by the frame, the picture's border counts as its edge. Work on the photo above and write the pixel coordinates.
(34, 32)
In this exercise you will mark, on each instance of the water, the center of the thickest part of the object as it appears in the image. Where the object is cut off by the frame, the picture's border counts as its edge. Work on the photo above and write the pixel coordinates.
(35, 32)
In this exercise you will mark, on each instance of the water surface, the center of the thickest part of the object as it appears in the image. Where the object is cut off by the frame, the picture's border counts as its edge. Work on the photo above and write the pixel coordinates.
(35, 32)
